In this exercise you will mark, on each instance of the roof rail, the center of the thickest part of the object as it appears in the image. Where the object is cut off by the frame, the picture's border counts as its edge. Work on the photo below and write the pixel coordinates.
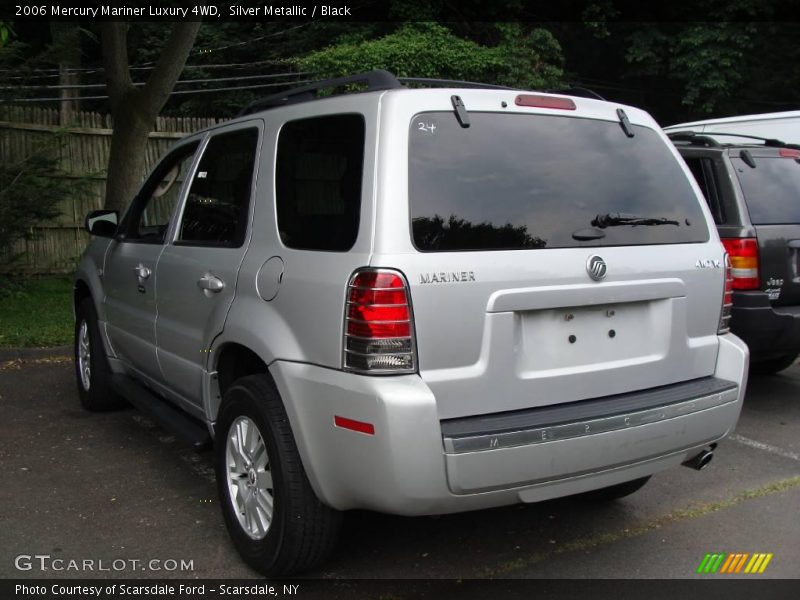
(453, 82)
(692, 138)
(375, 80)
(769, 142)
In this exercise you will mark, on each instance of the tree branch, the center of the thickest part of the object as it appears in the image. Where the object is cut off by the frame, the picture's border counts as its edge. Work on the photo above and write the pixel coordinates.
(169, 66)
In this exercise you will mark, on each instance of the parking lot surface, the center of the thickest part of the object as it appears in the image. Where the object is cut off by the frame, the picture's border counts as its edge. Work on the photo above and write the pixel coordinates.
(116, 489)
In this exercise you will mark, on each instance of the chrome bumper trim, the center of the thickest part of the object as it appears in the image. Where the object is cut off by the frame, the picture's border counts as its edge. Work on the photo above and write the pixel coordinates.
(553, 433)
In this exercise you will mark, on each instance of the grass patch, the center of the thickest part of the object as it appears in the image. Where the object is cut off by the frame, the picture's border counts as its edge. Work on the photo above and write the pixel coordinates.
(36, 313)
(679, 514)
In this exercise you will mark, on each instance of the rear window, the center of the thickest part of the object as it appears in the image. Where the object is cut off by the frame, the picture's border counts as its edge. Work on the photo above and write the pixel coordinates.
(515, 181)
(771, 190)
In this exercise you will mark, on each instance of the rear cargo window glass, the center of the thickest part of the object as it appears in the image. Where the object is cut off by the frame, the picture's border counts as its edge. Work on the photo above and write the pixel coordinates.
(530, 181)
(771, 190)
(318, 182)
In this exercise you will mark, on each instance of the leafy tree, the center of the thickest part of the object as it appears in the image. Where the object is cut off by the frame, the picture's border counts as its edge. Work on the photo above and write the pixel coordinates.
(431, 50)
(705, 59)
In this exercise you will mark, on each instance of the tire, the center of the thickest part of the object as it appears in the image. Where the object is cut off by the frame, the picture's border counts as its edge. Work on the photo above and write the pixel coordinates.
(301, 532)
(92, 373)
(773, 365)
(615, 492)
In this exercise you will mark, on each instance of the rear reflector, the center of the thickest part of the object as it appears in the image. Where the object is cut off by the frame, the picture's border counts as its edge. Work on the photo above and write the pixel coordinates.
(727, 299)
(378, 324)
(534, 100)
(743, 253)
(789, 153)
(354, 425)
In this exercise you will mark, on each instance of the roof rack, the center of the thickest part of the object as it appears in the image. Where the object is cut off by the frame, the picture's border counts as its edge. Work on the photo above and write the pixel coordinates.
(687, 136)
(693, 138)
(376, 80)
(453, 82)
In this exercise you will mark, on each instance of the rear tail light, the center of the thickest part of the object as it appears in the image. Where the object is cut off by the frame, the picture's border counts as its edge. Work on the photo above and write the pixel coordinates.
(379, 324)
(744, 262)
(789, 153)
(727, 299)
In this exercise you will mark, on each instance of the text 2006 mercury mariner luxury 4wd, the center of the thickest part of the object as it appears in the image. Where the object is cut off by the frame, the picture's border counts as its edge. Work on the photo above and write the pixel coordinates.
(414, 301)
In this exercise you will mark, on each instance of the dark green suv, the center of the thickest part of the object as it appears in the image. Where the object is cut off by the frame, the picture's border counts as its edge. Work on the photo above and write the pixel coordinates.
(753, 191)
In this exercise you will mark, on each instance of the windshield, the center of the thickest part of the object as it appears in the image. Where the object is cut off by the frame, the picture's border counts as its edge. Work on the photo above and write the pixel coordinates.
(513, 181)
(771, 190)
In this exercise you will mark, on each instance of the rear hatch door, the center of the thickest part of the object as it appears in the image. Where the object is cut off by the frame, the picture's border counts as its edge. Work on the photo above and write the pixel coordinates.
(521, 295)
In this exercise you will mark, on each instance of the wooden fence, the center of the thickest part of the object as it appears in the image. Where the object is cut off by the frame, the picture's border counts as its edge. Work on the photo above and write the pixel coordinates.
(82, 153)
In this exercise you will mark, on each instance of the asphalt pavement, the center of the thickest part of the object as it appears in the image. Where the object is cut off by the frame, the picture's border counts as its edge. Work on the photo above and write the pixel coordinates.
(115, 489)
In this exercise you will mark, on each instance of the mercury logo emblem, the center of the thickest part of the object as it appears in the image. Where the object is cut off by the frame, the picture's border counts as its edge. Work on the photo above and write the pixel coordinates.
(596, 267)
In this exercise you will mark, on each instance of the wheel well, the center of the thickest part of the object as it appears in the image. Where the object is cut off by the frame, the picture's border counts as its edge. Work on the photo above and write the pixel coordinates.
(79, 292)
(237, 361)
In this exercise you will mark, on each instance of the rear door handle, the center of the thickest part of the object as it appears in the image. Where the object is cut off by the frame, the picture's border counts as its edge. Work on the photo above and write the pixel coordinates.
(141, 271)
(211, 283)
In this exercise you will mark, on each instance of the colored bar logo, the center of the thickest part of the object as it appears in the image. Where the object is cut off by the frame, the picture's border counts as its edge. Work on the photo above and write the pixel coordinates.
(737, 562)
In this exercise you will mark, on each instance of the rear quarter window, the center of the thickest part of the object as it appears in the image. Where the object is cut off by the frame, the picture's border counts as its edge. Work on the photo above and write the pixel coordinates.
(515, 181)
(318, 174)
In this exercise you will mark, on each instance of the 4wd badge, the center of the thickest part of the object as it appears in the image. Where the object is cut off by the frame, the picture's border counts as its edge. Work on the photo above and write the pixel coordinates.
(708, 263)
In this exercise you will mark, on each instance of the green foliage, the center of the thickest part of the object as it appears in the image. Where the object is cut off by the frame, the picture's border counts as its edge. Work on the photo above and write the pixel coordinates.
(30, 191)
(5, 32)
(36, 312)
(707, 59)
(431, 50)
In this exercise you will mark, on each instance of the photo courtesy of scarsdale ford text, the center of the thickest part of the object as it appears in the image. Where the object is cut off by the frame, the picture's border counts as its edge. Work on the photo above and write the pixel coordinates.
(160, 590)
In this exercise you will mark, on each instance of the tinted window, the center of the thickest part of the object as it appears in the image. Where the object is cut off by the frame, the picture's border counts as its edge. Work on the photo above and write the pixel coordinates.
(771, 190)
(218, 202)
(318, 182)
(706, 176)
(523, 181)
(152, 211)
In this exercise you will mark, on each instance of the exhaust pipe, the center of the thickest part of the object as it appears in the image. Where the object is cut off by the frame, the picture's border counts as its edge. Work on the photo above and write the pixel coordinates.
(701, 460)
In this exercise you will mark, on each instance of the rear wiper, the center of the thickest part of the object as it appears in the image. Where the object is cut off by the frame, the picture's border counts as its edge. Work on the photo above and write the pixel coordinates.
(614, 219)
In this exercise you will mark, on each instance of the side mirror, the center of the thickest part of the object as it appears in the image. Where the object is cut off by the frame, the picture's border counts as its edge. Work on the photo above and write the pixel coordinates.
(102, 223)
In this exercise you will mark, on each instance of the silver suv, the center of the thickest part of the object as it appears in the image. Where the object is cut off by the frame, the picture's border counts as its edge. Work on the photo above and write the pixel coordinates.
(414, 301)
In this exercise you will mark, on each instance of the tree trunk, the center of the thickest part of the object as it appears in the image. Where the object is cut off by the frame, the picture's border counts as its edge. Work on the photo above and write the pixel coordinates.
(126, 157)
(133, 109)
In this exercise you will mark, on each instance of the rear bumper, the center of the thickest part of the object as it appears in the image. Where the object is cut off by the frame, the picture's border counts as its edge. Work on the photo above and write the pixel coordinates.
(768, 331)
(409, 467)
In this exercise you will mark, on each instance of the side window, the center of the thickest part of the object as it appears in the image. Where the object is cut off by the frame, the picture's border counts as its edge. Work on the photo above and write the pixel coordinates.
(318, 175)
(706, 176)
(219, 198)
(150, 215)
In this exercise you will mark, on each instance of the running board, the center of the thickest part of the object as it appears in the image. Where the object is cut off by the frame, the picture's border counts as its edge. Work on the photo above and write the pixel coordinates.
(185, 427)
